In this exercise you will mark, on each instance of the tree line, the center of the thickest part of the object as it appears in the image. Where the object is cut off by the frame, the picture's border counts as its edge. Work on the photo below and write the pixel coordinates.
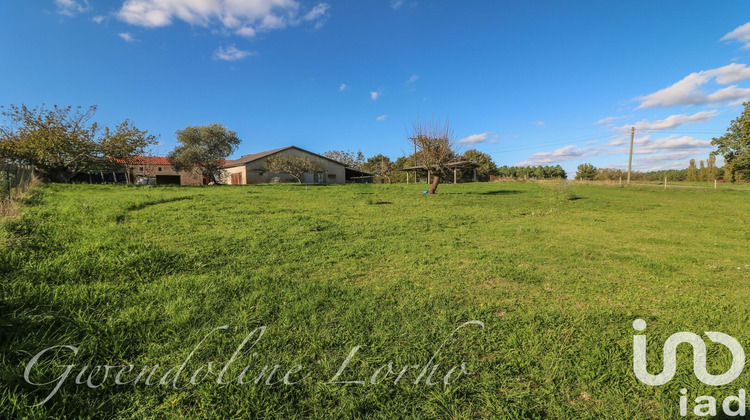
(61, 142)
(706, 172)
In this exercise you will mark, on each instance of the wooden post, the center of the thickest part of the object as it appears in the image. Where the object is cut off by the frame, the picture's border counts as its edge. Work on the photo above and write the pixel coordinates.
(665, 182)
(630, 159)
(714, 184)
(621, 181)
(454, 176)
(407, 177)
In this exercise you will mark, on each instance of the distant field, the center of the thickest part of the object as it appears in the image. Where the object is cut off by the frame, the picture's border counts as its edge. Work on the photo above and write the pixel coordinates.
(556, 273)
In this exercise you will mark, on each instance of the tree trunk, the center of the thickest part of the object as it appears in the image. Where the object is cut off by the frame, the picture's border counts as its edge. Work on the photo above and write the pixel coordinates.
(433, 187)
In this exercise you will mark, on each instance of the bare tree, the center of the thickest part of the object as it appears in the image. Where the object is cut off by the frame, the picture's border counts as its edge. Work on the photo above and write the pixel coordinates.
(435, 149)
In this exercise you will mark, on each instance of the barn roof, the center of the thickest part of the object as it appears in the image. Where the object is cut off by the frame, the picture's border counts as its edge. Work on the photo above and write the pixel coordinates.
(249, 158)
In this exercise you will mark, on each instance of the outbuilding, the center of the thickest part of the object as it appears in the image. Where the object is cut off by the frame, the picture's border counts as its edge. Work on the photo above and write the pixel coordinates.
(251, 169)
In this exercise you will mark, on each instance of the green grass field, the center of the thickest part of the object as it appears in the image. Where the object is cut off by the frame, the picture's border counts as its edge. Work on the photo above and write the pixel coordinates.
(557, 274)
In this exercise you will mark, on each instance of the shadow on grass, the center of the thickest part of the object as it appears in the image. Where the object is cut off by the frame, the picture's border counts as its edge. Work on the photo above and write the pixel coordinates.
(496, 192)
(141, 206)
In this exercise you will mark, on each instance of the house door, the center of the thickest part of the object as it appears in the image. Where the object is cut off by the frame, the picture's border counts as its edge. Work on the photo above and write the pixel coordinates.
(237, 178)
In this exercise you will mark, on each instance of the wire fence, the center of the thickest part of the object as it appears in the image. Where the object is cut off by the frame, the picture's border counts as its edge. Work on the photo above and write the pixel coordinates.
(13, 178)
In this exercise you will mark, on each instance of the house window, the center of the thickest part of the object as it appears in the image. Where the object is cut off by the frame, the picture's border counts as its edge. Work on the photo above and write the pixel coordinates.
(141, 169)
(331, 177)
(159, 168)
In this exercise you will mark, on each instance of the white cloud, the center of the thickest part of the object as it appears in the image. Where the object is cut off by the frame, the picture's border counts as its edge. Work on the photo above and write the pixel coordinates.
(412, 79)
(559, 155)
(318, 14)
(646, 146)
(661, 161)
(374, 95)
(477, 138)
(245, 18)
(127, 37)
(396, 4)
(98, 19)
(382, 117)
(538, 123)
(619, 140)
(668, 160)
(688, 90)
(650, 151)
(231, 53)
(652, 154)
(611, 119)
(740, 34)
(342, 87)
(71, 7)
(671, 122)
(730, 73)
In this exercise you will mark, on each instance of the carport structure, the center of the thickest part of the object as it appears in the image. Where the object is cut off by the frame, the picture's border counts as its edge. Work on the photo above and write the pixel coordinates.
(454, 166)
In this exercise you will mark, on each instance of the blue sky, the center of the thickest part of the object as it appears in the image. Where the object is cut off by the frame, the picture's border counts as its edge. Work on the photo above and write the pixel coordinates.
(529, 82)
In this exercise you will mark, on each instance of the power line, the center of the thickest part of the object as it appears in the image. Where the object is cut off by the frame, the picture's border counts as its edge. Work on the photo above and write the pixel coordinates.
(541, 146)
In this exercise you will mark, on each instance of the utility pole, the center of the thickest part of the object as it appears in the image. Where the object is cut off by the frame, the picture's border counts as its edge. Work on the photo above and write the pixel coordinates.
(630, 159)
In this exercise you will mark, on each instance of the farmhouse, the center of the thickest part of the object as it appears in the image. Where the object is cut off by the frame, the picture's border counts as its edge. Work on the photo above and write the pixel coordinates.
(148, 170)
(250, 169)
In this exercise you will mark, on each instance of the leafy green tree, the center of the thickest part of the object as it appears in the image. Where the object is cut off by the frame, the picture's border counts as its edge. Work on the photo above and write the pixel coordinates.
(586, 171)
(702, 172)
(526, 172)
(348, 158)
(398, 175)
(63, 141)
(380, 166)
(204, 149)
(734, 145)
(296, 166)
(692, 172)
(486, 167)
(711, 168)
(557, 172)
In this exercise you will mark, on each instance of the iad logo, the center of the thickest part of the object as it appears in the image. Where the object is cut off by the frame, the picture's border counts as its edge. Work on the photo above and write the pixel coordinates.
(699, 357)
(705, 404)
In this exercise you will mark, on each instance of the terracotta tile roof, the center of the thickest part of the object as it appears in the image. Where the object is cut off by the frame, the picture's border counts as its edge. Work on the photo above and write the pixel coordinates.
(154, 160)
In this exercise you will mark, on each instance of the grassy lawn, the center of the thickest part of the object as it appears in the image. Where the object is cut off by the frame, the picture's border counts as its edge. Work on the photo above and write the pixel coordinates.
(557, 274)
